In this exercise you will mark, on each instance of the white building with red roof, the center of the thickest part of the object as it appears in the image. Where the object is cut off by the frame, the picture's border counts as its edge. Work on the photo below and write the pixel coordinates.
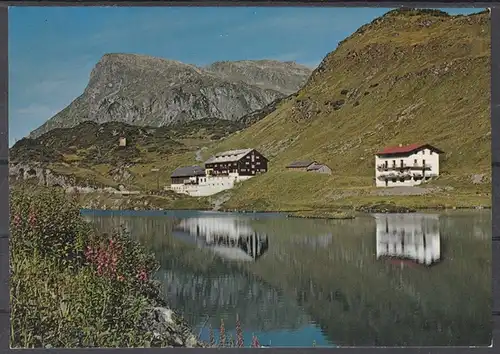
(406, 166)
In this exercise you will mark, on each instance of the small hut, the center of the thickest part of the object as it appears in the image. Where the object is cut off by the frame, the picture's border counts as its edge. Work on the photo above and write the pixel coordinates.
(122, 141)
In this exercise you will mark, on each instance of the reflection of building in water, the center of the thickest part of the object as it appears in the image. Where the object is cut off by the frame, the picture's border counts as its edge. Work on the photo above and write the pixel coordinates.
(409, 236)
(228, 237)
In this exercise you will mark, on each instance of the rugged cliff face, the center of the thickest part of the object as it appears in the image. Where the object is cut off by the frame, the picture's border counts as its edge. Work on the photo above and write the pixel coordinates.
(148, 91)
(284, 77)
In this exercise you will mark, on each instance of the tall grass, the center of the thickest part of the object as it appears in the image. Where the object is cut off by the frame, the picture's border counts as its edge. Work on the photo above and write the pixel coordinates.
(71, 287)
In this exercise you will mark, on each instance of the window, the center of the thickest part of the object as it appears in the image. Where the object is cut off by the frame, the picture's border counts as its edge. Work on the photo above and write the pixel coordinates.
(257, 157)
(415, 161)
(423, 152)
(257, 163)
(247, 162)
(394, 162)
(431, 152)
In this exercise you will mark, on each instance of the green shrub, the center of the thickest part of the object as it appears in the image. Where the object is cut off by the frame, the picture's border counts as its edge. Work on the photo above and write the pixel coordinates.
(71, 287)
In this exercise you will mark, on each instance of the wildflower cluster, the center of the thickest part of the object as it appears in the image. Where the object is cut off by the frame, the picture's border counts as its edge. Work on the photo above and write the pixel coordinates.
(71, 287)
(105, 258)
(228, 341)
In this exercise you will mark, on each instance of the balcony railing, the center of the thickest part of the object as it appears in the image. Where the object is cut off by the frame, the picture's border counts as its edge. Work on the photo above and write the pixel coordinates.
(405, 175)
(399, 167)
(398, 176)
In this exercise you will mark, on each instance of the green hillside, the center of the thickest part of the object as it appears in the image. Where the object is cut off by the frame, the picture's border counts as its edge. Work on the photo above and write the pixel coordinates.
(407, 77)
(410, 76)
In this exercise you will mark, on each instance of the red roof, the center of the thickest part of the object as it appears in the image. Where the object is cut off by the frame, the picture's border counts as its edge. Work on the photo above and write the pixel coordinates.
(404, 149)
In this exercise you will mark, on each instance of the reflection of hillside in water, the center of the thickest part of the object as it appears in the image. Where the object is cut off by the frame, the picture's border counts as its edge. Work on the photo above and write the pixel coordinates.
(228, 237)
(199, 285)
(328, 267)
(358, 300)
(412, 237)
(259, 306)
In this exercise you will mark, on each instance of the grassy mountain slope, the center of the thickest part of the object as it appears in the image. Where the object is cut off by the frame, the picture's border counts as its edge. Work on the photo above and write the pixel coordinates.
(90, 152)
(409, 76)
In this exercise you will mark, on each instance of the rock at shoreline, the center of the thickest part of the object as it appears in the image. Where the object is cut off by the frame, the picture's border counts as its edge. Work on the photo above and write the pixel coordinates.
(170, 329)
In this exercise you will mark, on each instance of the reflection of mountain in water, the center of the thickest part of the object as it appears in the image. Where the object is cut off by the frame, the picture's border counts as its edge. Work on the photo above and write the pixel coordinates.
(259, 306)
(412, 237)
(230, 238)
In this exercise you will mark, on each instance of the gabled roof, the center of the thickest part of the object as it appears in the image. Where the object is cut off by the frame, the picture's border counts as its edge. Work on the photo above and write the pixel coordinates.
(300, 164)
(406, 149)
(189, 171)
(316, 166)
(229, 156)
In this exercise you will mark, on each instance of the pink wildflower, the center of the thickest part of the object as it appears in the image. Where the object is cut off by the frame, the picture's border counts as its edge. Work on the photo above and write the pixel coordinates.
(17, 220)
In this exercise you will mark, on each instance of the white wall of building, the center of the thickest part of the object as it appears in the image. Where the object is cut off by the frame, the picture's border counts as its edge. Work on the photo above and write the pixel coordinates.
(209, 185)
(417, 158)
(418, 232)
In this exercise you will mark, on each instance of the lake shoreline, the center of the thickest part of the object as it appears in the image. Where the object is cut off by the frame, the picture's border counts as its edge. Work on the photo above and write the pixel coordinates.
(325, 214)
(336, 210)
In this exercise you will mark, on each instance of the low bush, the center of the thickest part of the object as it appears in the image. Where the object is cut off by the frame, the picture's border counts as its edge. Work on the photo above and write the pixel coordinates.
(71, 287)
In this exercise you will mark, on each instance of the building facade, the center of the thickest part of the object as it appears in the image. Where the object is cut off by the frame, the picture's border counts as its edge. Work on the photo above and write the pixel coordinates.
(186, 176)
(408, 165)
(221, 172)
(236, 163)
(319, 168)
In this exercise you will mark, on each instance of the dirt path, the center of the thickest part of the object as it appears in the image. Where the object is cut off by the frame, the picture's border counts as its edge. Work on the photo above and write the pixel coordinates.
(197, 154)
(219, 199)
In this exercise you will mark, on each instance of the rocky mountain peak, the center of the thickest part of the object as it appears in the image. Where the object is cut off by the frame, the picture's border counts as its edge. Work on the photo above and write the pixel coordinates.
(149, 91)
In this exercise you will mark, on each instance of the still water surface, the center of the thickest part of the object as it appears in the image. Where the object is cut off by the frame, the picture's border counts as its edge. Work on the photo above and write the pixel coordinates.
(385, 280)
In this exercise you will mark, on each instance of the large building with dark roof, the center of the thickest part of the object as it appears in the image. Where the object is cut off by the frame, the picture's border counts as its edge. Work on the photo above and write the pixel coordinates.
(221, 172)
(243, 162)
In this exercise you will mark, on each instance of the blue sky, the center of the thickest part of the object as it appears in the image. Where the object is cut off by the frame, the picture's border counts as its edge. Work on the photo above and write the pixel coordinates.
(53, 49)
